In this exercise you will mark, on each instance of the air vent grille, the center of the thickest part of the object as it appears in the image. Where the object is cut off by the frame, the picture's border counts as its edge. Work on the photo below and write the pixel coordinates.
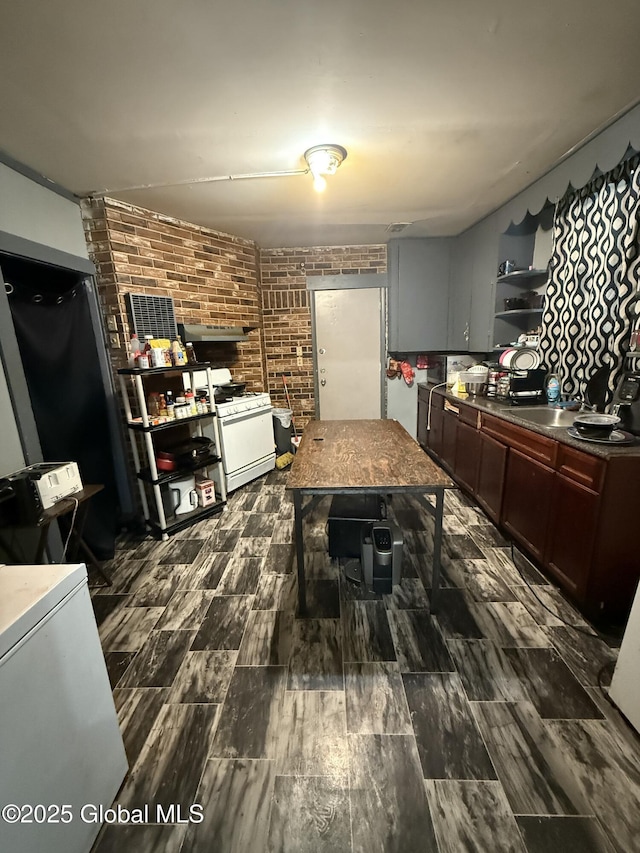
(396, 227)
(152, 315)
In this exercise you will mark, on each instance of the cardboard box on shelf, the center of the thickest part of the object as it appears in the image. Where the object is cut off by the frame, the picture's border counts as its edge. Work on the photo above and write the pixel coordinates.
(206, 492)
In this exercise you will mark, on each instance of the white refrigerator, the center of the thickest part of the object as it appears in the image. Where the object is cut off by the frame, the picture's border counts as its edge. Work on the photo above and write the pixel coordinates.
(60, 744)
(625, 684)
(402, 401)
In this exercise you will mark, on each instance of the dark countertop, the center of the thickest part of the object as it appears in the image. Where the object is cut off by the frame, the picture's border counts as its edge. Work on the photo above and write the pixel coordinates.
(510, 413)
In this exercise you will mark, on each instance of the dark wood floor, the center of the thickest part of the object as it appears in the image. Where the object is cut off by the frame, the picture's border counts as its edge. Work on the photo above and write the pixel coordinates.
(371, 725)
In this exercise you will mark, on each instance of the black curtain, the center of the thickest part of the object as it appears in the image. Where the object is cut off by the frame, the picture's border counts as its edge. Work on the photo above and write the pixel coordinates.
(57, 344)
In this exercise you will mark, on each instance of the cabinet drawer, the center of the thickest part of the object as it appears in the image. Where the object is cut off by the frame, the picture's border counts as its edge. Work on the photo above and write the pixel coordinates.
(437, 400)
(468, 415)
(581, 467)
(530, 443)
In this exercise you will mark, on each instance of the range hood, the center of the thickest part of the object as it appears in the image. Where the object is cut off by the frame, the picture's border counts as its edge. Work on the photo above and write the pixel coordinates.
(213, 334)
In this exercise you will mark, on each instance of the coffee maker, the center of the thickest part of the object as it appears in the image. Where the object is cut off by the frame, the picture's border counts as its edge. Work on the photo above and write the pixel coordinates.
(626, 402)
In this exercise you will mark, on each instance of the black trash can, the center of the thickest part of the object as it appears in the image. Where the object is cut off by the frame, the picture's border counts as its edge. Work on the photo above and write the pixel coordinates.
(347, 515)
(282, 430)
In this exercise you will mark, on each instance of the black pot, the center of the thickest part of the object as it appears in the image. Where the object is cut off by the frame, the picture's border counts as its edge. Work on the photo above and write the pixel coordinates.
(231, 389)
(594, 425)
(533, 299)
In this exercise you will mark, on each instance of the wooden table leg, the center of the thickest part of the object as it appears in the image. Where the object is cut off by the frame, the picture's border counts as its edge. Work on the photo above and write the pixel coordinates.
(302, 593)
(93, 560)
(437, 549)
(42, 544)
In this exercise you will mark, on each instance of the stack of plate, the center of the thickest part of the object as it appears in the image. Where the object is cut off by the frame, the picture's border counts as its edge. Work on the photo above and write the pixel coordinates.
(520, 358)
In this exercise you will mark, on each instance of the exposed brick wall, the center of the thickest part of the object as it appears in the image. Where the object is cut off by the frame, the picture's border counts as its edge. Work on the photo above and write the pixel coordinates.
(286, 313)
(219, 279)
(212, 277)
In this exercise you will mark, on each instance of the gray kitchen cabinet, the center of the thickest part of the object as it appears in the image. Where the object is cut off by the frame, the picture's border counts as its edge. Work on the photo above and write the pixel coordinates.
(460, 294)
(419, 271)
(484, 250)
(471, 303)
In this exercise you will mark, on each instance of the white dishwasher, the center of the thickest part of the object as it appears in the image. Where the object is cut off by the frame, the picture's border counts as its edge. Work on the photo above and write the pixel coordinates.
(60, 744)
(625, 684)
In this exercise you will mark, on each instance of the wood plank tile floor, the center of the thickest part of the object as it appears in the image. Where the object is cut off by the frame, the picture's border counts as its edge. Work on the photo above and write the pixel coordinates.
(370, 725)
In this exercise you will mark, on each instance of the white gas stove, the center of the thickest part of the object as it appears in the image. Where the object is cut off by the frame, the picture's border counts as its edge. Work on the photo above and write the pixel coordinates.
(243, 403)
(246, 432)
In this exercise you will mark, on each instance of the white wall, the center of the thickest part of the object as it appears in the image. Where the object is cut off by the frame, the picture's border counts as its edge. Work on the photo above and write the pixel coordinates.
(33, 212)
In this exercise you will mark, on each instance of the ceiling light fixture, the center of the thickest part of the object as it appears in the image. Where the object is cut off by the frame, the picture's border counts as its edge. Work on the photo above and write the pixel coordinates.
(324, 160)
(321, 160)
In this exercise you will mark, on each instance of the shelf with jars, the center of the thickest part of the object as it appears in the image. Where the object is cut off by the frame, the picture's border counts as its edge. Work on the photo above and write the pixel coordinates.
(178, 467)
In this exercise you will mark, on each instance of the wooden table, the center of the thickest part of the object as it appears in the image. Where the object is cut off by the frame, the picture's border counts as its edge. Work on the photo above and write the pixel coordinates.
(351, 457)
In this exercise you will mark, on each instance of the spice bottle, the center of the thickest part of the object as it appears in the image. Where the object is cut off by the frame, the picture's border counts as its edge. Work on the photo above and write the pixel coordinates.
(170, 405)
(162, 405)
(191, 354)
(177, 357)
(153, 404)
(190, 400)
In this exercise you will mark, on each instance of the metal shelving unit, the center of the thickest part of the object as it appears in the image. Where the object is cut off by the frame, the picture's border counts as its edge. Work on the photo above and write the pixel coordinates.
(144, 427)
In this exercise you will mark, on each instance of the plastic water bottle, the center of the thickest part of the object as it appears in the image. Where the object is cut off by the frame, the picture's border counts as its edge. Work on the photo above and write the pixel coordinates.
(553, 389)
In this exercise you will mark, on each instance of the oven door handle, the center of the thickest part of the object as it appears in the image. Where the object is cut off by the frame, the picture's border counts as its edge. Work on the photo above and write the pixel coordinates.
(243, 416)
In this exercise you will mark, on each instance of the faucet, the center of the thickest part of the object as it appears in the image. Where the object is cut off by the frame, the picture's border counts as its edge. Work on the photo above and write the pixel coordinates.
(584, 406)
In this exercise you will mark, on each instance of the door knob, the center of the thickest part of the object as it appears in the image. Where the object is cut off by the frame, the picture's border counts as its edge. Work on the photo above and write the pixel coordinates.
(323, 381)
(322, 350)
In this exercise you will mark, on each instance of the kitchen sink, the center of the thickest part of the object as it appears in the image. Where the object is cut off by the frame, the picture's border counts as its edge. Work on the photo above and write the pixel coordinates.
(547, 417)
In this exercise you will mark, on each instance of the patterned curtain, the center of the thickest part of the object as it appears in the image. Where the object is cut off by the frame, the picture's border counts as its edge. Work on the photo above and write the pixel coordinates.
(594, 279)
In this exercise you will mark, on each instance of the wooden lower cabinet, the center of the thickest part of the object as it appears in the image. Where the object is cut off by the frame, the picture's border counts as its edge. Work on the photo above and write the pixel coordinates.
(492, 467)
(574, 512)
(467, 456)
(528, 490)
(449, 438)
(573, 523)
(423, 416)
(435, 432)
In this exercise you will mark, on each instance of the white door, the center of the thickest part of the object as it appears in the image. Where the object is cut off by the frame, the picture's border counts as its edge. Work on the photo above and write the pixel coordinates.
(348, 353)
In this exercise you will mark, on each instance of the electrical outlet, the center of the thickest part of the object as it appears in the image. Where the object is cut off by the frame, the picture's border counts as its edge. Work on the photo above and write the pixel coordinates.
(114, 340)
(112, 323)
(299, 352)
(300, 361)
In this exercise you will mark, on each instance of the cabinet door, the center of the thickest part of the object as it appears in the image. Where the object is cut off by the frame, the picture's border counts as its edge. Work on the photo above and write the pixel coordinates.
(460, 294)
(467, 456)
(572, 531)
(435, 432)
(418, 294)
(491, 471)
(423, 405)
(485, 265)
(449, 438)
(528, 491)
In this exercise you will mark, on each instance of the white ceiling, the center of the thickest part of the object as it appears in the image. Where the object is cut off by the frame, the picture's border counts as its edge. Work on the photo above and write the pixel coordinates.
(447, 107)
